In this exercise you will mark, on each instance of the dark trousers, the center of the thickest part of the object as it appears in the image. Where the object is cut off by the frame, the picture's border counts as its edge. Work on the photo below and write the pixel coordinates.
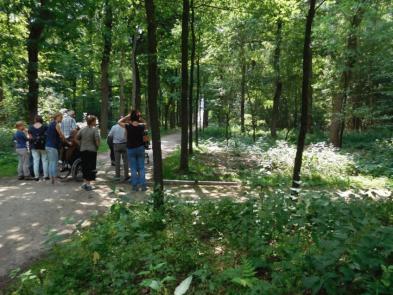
(89, 164)
(109, 141)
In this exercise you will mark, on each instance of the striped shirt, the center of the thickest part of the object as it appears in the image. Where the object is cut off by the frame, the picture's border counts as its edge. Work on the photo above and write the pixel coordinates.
(67, 125)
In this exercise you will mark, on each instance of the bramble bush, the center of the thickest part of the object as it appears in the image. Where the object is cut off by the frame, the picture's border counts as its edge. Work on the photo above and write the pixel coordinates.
(275, 244)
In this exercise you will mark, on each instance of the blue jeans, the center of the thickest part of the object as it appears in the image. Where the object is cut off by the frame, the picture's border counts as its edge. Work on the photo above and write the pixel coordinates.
(38, 156)
(53, 158)
(136, 162)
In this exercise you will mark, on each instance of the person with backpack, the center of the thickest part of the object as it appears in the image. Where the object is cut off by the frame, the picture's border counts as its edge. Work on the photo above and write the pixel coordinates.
(37, 135)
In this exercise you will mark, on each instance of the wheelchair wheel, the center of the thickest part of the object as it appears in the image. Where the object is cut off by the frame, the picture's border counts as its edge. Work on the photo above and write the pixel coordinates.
(63, 169)
(76, 170)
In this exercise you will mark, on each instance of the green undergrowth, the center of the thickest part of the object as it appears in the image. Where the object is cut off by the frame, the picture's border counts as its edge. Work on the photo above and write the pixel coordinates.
(365, 162)
(201, 167)
(8, 158)
(278, 244)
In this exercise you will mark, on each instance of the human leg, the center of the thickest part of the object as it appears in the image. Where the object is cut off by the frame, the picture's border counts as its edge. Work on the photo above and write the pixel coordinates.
(141, 167)
(117, 152)
(19, 153)
(53, 158)
(36, 163)
(44, 160)
(132, 162)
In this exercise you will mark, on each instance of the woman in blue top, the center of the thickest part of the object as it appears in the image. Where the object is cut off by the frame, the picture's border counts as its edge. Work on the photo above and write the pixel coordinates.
(54, 137)
(21, 140)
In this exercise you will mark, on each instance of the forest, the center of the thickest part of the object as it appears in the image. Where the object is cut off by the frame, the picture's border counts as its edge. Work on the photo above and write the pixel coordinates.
(283, 109)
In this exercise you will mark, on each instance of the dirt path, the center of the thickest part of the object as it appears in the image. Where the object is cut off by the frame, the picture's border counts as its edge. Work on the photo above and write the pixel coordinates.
(31, 213)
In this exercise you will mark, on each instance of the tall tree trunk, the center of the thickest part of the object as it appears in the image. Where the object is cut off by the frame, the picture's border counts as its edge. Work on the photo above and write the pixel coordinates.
(36, 26)
(190, 99)
(307, 68)
(197, 101)
(122, 103)
(184, 87)
(105, 61)
(340, 100)
(74, 90)
(278, 82)
(136, 81)
(152, 88)
(243, 94)
(2, 97)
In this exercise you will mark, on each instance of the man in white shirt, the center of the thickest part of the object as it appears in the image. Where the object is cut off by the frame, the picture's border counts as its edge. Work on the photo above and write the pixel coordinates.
(118, 134)
(68, 124)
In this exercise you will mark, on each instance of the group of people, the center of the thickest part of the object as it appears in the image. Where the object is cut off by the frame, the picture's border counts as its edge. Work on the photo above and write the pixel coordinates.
(46, 144)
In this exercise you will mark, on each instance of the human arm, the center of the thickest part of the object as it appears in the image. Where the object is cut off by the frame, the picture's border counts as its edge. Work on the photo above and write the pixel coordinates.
(78, 137)
(122, 121)
(97, 138)
(60, 132)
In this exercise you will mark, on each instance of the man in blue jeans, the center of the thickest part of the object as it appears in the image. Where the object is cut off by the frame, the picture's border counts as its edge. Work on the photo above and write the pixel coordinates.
(135, 149)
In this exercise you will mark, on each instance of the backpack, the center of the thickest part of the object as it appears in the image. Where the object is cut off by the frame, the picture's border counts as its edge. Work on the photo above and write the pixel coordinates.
(38, 140)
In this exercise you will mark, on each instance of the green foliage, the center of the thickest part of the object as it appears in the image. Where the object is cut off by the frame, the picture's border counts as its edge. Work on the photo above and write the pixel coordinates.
(200, 168)
(318, 243)
(8, 159)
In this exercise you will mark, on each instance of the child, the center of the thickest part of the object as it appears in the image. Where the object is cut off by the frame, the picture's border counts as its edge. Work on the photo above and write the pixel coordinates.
(21, 142)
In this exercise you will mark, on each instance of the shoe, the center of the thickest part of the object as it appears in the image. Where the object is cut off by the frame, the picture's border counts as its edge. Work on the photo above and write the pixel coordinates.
(84, 186)
(144, 188)
(134, 188)
(36, 179)
(46, 178)
(127, 178)
(88, 188)
(113, 164)
(29, 178)
(21, 177)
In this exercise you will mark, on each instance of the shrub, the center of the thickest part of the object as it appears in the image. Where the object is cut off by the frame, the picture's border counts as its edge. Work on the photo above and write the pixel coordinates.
(272, 245)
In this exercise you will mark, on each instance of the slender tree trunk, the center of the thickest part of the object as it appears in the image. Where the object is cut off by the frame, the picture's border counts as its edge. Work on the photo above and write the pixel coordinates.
(184, 88)
(35, 27)
(191, 98)
(122, 103)
(307, 68)
(340, 100)
(243, 94)
(105, 61)
(197, 102)
(74, 90)
(278, 82)
(2, 97)
(136, 91)
(152, 88)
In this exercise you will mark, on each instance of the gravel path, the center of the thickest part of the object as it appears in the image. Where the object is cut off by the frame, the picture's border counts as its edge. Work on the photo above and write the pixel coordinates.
(32, 214)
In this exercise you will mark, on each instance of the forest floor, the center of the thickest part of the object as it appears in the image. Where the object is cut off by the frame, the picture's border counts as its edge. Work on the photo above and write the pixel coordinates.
(35, 215)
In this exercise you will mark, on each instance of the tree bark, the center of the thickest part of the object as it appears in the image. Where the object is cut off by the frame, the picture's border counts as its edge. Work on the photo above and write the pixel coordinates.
(197, 101)
(243, 95)
(105, 61)
(136, 81)
(152, 88)
(340, 100)
(190, 99)
(122, 103)
(278, 82)
(1, 89)
(307, 68)
(36, 27)
(184, 87)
